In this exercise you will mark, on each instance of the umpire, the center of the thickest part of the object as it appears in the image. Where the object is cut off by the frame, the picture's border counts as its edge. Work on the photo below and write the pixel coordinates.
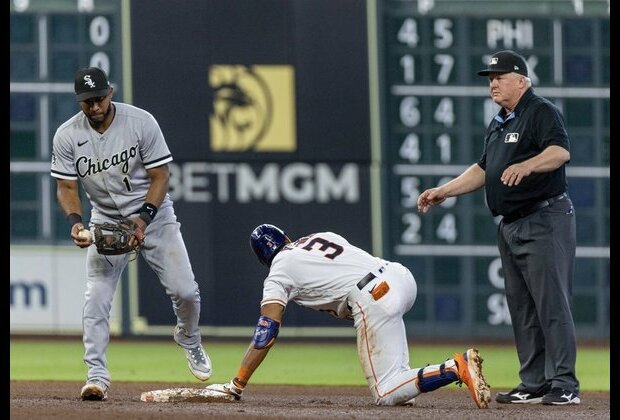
(522, 168)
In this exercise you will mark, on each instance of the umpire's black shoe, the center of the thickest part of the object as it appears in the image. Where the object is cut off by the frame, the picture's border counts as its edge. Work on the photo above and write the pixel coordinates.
(559, 396)
(519, 396)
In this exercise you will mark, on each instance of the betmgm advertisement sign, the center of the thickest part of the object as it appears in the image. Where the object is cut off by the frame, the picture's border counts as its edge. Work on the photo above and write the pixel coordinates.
(266, 114)
(253, 111)
(253, 108)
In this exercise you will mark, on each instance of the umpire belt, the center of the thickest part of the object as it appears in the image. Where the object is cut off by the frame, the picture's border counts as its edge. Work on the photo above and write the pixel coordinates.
(526, 211)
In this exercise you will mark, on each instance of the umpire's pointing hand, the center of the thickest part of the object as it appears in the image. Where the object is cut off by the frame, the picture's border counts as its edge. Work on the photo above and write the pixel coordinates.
(429, 198)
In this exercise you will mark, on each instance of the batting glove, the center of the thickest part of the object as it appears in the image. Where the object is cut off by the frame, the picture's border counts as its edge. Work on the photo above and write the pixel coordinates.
(229, 388)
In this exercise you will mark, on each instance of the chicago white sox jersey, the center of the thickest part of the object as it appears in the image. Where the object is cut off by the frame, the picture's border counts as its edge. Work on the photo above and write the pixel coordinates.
(111, 166)
(318, 272)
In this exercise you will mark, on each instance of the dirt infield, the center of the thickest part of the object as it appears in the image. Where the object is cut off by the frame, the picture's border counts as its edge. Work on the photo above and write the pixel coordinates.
(60, 400)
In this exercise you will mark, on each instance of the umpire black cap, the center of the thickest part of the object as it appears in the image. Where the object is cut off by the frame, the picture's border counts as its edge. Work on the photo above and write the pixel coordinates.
(91, 82)
(506, 61)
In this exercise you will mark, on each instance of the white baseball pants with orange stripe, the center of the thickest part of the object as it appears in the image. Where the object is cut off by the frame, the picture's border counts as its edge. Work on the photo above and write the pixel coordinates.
(381, 336)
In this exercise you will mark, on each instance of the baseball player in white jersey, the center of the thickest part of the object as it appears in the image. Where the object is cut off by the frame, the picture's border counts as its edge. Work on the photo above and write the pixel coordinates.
(323, 271)
(119, 154)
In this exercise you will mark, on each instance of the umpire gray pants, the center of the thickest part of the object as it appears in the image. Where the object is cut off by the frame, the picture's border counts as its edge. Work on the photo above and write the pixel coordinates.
(538, 257)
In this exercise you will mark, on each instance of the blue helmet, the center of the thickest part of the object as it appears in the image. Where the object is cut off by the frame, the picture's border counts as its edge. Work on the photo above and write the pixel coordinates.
(266, 241)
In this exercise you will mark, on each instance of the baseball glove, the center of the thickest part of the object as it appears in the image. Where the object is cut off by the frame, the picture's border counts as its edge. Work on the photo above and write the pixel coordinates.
(114, 238)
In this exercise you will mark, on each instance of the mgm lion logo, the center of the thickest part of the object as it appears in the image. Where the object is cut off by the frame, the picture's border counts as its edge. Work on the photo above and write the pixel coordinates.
(253, 108)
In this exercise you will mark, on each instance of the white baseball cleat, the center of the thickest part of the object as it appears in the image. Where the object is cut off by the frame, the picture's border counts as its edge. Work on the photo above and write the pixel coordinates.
(198, 362)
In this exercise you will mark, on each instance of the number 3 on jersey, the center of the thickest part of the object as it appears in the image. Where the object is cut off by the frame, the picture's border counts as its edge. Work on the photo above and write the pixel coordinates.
(325, 245)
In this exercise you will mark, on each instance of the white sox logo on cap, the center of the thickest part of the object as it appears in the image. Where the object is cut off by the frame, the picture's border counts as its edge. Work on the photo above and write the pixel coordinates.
(89, 81)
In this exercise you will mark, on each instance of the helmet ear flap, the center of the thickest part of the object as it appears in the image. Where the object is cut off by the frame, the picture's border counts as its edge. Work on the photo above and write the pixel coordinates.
(266, 241)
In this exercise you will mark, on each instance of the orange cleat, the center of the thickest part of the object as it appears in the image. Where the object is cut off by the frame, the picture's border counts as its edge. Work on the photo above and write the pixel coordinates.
(469, 366)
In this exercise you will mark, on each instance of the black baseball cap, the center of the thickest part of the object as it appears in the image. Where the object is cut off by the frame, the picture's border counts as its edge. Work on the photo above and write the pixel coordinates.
(91, 82)
(506, 61)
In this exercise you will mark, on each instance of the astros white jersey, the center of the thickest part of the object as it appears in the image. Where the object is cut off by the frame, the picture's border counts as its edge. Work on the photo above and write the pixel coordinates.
(318, 272)
(322, 271)
(111, 166)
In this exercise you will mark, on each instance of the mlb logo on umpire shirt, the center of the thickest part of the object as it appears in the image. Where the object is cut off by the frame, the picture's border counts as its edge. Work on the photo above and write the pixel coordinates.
(511, 138)
(253, 108)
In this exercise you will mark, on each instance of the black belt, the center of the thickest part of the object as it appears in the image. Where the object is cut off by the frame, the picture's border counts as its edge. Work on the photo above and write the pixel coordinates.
(526, 211)
(367, 279)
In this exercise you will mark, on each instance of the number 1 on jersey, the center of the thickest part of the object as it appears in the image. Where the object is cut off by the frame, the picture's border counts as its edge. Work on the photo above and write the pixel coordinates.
(127, 184)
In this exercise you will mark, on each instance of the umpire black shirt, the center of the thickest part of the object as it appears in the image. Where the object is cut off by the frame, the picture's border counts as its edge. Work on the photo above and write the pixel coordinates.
(534, 125)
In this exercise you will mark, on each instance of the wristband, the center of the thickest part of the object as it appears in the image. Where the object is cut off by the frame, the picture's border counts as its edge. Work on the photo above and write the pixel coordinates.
(148, 212)
(74, 218)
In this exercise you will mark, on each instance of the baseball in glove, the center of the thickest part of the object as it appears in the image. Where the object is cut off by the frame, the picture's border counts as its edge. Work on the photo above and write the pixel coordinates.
(115, 238)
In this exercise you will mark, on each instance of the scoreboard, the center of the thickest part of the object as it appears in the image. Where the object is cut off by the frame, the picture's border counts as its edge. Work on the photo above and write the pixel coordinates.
(428, 113)
(50, 40)
(434, 112)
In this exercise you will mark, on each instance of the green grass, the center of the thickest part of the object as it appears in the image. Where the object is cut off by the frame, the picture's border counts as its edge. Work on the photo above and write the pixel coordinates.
(287, 362)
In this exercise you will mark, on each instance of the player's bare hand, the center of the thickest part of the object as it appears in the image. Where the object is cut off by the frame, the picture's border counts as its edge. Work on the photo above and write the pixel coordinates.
(513, 174)
(81, 236)
(137, 239)
(430, 198)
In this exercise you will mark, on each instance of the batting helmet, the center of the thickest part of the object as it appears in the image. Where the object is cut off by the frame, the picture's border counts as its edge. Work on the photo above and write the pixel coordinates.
(266, 241)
